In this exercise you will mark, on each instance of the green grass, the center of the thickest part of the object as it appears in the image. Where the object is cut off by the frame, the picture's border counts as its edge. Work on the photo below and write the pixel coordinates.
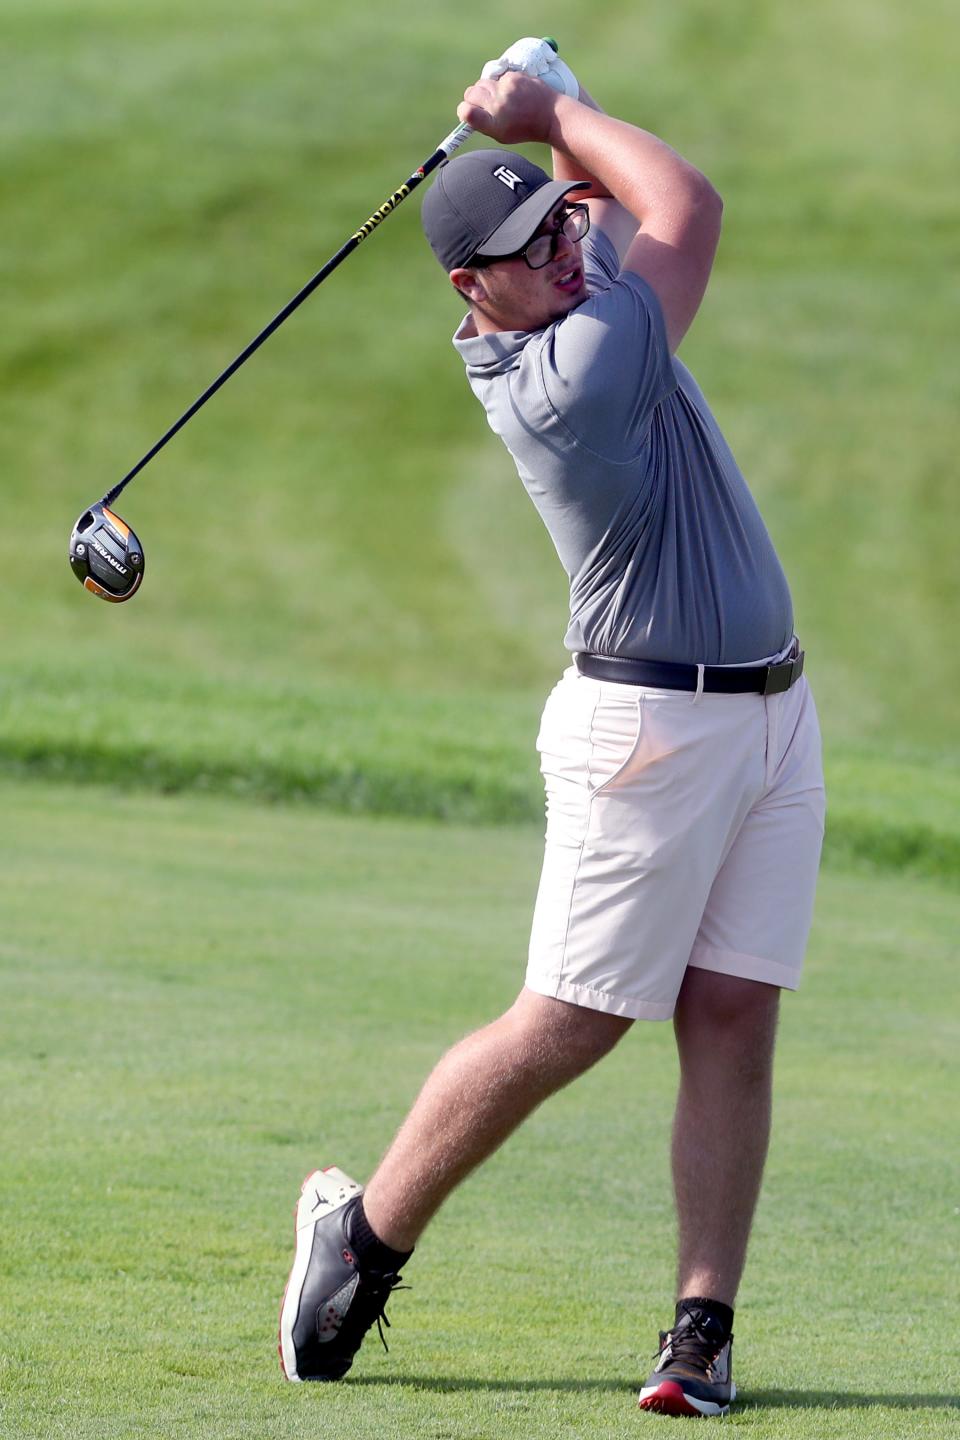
(350, 603)
(203, 999)
(445, 756)
(172, 173)
(349, 598)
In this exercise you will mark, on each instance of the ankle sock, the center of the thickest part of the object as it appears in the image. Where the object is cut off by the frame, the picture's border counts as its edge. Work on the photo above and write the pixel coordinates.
(723, 1314)
(371, 1251)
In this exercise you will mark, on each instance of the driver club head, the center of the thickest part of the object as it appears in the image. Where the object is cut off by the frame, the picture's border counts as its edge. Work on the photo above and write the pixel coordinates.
(105, 555)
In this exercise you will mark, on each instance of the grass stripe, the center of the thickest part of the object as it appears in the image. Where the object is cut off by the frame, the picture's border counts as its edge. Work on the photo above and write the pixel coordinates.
(464, 789)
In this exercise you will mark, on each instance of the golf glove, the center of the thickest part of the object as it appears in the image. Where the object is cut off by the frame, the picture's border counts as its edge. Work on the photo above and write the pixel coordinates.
(536, 58)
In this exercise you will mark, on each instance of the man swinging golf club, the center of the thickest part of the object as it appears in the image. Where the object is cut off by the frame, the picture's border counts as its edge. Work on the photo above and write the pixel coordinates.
(680, 751)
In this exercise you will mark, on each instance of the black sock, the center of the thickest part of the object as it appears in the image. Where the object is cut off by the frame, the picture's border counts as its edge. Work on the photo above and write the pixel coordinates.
(715, 1308)
(371, 1251)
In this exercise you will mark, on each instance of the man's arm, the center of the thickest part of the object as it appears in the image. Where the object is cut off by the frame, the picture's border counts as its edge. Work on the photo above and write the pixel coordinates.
(606, 213)
(676, 208)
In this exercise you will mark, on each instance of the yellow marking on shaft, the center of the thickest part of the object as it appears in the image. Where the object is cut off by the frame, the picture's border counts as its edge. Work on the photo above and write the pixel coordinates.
(368, 227)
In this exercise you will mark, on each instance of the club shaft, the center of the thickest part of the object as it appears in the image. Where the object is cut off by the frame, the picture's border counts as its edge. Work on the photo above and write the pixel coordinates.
(444, 150)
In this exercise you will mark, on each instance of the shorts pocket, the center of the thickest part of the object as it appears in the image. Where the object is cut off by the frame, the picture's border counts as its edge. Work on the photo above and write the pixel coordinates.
(615, 733)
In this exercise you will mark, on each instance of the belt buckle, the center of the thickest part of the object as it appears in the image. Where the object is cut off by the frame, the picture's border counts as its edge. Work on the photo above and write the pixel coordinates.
(781, 677)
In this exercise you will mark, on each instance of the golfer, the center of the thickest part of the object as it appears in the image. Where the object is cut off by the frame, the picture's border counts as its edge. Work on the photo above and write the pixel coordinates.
(680, 750)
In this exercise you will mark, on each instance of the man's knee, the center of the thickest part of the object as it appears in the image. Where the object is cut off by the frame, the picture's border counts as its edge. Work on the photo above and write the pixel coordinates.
(725, 1002)
(731, 1019)
(571, 1037)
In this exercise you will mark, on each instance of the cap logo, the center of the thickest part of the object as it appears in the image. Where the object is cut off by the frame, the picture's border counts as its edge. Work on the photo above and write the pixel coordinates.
(507, 177)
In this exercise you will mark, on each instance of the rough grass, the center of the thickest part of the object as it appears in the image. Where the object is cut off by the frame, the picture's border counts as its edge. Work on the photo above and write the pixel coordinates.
(348, 597)
(171, 173)
(455, 756)
(204, 999)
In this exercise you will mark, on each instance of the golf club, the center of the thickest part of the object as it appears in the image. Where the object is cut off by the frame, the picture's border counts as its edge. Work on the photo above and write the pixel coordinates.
(105, 555)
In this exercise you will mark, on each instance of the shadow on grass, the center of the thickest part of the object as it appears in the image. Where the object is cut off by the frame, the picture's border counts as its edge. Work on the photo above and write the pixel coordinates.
(450, 1383)
(841, 1400)
(751, 1399)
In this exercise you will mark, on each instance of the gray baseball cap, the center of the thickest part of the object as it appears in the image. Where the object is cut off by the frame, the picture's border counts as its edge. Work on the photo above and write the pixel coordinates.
(488, 203)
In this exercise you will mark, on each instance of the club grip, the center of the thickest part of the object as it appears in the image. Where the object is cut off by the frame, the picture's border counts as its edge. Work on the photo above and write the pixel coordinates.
(455, 139)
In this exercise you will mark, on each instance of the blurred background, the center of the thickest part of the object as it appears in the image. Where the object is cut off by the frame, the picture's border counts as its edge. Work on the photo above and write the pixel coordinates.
(348, 596)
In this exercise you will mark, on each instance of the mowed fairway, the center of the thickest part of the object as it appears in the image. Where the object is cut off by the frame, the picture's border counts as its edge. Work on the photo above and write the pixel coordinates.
(203, 999)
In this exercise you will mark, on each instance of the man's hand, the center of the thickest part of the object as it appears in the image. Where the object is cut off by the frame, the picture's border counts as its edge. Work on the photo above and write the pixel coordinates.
(511, 110)
(538, 59)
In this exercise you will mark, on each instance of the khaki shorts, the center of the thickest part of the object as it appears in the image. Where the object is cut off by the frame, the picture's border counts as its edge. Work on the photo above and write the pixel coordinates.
(681, 830)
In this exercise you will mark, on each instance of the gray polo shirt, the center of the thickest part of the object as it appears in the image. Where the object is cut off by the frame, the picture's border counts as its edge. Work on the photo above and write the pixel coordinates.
(663, 544)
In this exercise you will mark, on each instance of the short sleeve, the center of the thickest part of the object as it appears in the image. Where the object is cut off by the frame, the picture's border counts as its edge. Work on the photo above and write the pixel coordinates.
(606, 366)
(601, 264)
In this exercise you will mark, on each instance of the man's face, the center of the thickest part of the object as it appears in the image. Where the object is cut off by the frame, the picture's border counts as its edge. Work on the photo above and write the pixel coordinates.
(508, 295)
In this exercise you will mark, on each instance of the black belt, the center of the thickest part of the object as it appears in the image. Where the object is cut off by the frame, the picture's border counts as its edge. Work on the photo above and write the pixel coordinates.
(717, 679)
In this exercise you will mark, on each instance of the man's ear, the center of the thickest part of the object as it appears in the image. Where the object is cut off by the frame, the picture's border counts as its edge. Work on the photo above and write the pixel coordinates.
(469, 284)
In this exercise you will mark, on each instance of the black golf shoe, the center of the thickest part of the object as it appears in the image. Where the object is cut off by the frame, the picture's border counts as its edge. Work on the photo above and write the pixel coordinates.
(692, 1373)
(331, 1299)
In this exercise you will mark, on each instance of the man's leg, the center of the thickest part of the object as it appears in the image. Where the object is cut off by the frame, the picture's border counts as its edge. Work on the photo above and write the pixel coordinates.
(474, 1099)
(350, 1248)
(725, 1029)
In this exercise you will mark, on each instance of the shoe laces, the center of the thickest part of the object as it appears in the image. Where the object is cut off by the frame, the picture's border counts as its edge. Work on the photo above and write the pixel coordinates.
(691, 1343)
(374, 1302)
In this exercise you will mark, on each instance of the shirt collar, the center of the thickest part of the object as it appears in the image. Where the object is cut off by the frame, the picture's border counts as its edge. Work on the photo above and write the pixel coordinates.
(493, 354)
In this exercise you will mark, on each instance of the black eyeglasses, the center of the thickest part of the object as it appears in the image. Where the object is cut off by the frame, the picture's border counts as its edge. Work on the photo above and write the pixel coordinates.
(573, 223)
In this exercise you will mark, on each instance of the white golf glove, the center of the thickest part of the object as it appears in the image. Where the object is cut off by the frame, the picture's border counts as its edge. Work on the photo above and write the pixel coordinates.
(537, 58)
